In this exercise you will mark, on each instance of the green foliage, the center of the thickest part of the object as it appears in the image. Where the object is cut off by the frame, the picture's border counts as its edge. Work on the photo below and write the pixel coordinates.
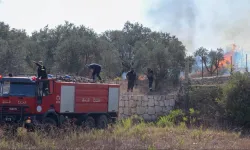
(177, 116)
(204, 99)
(191, 61)
(211, 59)
(236, 98)
(67, 48)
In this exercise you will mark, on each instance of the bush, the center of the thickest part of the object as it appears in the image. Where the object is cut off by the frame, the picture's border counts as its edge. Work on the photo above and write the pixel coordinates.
(204, 99)
(236, 98)
(178, 117)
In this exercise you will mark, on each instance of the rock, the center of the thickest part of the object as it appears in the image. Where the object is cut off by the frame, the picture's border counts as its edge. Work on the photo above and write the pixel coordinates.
(132, 103)
(157, 103)
(140, 110)
(161, 113)
(166, 102)
(159, 98)
(138, 103)
(162, 103)
(153, 118)
(144, 104)
(133, 97)
(125, 98)
(151, 102)
(126, 111)
(172, 102)
(146, 117)
(133, 111)
(121, 110)
(145, 98)
(151, 110)
(150, 97)
(121, 116)
(121, 103)
(158, 109)
(140, 97)
(126, 103)
(156, 97)
(163, 97)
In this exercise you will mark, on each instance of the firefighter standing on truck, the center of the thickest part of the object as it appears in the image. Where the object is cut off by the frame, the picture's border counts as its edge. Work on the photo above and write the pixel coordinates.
(95, 70)
(131, 76)
(41, 73)
(41, 70)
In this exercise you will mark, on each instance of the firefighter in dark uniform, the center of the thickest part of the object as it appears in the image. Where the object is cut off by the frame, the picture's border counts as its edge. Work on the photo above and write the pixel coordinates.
(96, 70)
(41, 70)
(131, 76)
(42, 74)
(150, 75)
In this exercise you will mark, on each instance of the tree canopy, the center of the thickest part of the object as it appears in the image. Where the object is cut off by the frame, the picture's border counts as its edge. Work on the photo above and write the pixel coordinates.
(67, 48)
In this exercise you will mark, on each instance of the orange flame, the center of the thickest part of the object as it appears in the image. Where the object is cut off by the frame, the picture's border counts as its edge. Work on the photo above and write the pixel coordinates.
(226, 63)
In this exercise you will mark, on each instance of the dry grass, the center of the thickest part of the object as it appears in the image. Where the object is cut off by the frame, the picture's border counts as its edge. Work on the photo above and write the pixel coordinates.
(127, 135)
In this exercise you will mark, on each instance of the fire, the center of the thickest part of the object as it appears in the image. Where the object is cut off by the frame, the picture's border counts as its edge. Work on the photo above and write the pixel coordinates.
(226, 63)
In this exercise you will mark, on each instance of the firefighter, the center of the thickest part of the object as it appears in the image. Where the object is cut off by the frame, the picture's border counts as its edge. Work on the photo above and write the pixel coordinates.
(131, 76)
(10, 75)
(41, 70)
(95, 70)
(150, 75)
(41, 73)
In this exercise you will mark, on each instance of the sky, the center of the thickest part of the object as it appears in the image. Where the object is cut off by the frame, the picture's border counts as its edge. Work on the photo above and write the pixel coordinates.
(208, 23)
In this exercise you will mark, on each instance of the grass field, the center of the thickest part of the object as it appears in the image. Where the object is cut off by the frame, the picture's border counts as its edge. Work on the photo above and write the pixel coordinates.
(128, 135)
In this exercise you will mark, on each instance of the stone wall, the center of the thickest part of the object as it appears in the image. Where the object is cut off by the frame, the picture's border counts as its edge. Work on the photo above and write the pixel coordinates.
(149, 107)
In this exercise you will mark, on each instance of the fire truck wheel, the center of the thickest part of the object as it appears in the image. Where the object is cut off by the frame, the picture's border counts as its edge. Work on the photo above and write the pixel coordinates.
(89, 123)
(102, 122)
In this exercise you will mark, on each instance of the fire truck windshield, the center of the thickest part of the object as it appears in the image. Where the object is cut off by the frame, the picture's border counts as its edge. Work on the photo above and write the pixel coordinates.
(17, 89)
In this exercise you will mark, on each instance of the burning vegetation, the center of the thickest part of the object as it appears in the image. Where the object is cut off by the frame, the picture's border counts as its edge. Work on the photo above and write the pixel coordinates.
(219, 62)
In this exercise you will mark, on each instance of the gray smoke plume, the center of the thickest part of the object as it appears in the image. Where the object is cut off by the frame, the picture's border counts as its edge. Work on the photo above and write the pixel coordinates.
(177, 17)
(211, 24)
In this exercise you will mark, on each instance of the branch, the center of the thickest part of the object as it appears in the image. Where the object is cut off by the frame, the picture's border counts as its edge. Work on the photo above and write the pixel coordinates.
(206, 65)
(216, 65)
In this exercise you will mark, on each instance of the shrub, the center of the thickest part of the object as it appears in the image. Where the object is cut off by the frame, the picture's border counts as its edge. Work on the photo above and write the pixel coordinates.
(204, 99)
(236, 98)
(171, 119)
(177, 116)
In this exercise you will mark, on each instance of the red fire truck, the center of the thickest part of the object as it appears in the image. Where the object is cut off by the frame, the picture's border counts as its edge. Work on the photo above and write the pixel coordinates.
(26, 100)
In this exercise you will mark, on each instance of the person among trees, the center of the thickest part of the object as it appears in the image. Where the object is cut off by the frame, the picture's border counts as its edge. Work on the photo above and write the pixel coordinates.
(95, 70)
(150, 75)
(131, 76)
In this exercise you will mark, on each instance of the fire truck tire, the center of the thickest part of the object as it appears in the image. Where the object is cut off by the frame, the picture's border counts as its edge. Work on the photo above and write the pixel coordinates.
(89, 122)
(102, 122)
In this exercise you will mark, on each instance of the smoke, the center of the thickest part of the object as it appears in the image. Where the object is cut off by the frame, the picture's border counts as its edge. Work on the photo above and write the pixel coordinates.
(175, 16)
(211, 24)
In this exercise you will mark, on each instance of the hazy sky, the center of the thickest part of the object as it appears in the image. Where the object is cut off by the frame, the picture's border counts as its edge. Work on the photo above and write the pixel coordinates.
(208, 23)
(97, 14)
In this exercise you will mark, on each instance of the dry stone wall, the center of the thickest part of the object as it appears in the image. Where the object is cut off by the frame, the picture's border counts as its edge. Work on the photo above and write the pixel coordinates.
(149, 107)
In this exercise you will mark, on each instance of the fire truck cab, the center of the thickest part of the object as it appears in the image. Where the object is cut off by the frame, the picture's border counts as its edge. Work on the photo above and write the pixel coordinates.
(28, 100)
